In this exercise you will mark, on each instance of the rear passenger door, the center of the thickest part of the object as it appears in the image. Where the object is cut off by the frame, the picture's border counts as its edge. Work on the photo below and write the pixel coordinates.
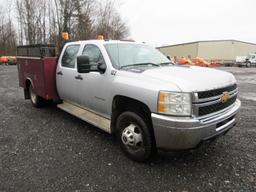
(66, 72)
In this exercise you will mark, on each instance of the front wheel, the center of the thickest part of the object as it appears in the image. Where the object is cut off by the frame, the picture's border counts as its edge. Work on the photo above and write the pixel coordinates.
(135, 136)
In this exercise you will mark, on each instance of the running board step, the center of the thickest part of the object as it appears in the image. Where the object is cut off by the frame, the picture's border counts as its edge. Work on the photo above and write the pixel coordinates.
(88, 116)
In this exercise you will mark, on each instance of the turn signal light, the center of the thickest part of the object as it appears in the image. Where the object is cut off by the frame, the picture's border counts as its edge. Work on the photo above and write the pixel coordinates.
(161, 102)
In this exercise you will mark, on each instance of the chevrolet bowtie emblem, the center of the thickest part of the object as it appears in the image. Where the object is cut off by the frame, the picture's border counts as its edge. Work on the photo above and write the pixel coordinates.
(225, 97)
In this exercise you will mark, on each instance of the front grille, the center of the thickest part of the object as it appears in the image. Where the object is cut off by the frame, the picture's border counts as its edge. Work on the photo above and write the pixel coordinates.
(215, 107)
(216, 92)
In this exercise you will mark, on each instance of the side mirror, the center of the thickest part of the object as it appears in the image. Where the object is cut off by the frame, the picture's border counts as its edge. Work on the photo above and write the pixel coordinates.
(83, 64)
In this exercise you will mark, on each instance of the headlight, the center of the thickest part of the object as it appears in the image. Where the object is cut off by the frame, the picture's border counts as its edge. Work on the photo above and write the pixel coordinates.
(172, 103)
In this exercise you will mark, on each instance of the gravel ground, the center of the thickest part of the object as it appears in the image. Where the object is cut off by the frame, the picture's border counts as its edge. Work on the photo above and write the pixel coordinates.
(49, 150)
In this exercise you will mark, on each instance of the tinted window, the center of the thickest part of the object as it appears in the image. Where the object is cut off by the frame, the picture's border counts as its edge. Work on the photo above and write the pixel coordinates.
(69, 57)
(94, 54)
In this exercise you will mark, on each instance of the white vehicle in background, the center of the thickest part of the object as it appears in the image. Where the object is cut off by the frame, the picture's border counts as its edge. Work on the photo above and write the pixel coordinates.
(246, 61)
(240, 60)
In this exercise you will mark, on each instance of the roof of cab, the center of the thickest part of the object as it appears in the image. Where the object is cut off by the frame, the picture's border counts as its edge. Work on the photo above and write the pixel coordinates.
(103, 42)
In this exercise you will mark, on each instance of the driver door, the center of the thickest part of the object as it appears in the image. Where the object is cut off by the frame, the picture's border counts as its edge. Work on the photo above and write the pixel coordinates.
(94, 87)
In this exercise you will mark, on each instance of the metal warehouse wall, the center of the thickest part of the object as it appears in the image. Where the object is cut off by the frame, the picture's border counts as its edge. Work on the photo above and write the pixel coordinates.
(220, 50)
(190, 49)
(224, 50)
(241, 48)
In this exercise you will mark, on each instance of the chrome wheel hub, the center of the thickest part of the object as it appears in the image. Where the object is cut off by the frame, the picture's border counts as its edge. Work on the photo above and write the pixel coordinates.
(132, 136)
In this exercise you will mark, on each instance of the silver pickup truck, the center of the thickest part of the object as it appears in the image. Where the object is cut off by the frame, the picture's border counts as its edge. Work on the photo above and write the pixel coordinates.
(135, 92)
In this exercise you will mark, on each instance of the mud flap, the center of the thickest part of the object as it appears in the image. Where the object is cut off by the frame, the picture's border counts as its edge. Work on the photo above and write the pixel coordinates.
(26, 93)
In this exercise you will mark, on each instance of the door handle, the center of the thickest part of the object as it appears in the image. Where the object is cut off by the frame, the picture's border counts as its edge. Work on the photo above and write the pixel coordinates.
(59, 73)
(79, 77)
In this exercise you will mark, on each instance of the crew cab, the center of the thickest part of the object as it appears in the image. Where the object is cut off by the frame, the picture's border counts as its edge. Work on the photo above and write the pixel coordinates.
(133, 91)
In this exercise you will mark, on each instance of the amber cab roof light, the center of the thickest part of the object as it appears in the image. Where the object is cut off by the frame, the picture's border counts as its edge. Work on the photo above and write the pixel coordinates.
(100, 37)
(65, 36)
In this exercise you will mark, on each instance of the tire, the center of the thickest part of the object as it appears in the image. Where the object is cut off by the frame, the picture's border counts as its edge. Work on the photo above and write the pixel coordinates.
(135, 136)
(36, 100)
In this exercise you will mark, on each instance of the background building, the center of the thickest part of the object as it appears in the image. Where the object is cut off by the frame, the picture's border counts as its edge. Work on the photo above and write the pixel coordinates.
(225, 50)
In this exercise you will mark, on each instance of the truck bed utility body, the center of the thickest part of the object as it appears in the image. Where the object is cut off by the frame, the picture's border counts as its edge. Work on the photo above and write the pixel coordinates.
(133, 91)
(37, 65)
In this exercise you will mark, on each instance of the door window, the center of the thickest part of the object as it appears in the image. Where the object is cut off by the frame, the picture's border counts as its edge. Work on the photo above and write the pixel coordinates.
(69, 56)
(94, 54)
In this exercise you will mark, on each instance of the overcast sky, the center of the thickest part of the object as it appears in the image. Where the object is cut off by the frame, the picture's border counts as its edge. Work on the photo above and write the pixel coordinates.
(163, 22)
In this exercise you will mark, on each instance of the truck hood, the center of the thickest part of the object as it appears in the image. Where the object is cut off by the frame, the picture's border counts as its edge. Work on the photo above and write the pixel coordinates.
(191, 78)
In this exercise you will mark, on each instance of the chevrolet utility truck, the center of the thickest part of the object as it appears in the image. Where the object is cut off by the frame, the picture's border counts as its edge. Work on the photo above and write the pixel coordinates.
(133, 91)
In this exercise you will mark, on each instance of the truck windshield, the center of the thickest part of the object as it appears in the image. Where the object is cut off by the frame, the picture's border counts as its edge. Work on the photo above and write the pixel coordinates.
(126, 55)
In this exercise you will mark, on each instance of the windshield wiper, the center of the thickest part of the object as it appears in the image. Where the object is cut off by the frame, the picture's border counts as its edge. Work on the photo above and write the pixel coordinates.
(139, 64)
(166, 63)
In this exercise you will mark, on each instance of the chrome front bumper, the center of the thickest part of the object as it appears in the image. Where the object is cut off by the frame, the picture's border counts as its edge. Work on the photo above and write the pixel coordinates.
(179, 133)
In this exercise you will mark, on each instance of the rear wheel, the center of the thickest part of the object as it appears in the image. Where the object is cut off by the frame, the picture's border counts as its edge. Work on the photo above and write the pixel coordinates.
(36, 100)
(135, 136)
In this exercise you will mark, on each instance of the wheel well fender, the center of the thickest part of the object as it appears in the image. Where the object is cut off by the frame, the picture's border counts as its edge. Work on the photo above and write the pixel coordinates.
(28, 82)
(123, 103)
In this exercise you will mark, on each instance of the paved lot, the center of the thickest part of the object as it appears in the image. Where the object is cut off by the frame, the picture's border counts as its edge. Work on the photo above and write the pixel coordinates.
(49, 150)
